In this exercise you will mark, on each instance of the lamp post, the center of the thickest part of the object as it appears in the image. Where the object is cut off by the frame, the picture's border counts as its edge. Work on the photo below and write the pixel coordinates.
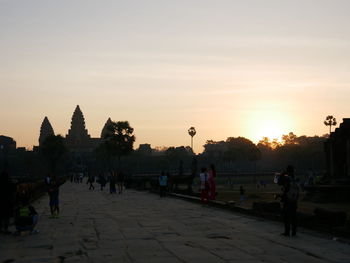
(192, 132)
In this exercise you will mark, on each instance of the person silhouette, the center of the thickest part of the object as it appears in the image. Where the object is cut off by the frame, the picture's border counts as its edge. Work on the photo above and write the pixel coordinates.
(289, 198)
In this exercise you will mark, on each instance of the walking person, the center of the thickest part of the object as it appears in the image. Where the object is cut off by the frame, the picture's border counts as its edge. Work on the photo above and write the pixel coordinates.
(91, 181)
(112, 182)
(204, 185)
(289, 198)
(53, 192)
(163, 183)
(120, 182)
(211, 181)
(102, 181)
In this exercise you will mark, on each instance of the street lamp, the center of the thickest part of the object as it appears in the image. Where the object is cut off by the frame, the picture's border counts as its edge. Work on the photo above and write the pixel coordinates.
(192, 132)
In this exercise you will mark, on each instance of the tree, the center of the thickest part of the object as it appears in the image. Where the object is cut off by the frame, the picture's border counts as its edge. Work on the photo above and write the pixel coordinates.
(119, 141)
(289, 139)
(53, 149)
(330, 121)
(264, 142)
(192, 132)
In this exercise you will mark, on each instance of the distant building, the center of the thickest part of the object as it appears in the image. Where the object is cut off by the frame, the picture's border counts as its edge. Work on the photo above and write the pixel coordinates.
(77, 139)
(338, 152)
(7, 143)
(45, 130)
(145, 149)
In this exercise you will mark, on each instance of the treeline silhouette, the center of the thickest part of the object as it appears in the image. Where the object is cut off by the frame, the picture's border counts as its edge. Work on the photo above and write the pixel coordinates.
(240, 154)
(233, 155)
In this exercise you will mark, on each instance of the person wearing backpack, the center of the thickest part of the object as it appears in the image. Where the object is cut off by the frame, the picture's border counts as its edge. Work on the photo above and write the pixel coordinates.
(289, 198)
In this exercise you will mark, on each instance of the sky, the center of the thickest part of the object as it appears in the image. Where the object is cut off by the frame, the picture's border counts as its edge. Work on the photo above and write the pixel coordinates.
(230, 68)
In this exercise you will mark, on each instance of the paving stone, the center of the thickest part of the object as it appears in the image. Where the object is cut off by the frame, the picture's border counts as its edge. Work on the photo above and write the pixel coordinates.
(95, 226)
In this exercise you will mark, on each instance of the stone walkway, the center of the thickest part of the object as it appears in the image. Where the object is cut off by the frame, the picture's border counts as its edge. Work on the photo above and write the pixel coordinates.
(95, 226)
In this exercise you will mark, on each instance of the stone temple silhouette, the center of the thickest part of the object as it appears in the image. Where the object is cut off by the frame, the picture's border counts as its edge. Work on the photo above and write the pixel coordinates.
(77, 139)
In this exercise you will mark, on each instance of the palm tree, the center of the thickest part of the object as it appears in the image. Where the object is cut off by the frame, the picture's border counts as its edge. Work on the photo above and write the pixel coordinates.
(192, 132)
(330, 121)
(119, 140)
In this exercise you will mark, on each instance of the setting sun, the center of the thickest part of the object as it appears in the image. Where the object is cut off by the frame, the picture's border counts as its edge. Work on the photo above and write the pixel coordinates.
(268, 123)
(271, 129)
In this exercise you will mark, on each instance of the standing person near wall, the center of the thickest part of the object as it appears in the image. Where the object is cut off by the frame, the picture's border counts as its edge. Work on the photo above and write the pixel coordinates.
(289, 198)
(163, 183)
(204, 185)
(212, 183)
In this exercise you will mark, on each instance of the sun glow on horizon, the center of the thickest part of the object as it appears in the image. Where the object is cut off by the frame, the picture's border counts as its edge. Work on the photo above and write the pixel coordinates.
(270, 124)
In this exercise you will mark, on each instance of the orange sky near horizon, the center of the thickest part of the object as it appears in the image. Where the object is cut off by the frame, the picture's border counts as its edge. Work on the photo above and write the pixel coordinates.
(228, 68)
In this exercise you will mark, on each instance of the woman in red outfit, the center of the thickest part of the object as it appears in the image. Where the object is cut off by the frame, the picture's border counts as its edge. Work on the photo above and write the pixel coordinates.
(212, 184)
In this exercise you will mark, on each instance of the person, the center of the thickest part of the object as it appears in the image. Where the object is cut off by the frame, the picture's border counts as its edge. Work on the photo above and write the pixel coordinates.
(289, 198)
(211, 181)
(53, 192)
(26, 216)
(241, 195)
(163, 182)
(204, 185)
(120, 182)
(6, 201)
(90, 181)
(102, 181)
(112, 182)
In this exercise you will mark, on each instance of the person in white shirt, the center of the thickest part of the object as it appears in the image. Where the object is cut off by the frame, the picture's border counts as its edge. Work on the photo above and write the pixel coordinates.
(203, 176)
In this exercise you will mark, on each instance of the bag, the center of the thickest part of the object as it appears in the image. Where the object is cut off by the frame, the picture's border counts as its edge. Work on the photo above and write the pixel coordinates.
(293, 193)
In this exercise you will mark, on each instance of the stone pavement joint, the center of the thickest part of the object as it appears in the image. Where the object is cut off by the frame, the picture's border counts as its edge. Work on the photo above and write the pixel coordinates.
(95, 226)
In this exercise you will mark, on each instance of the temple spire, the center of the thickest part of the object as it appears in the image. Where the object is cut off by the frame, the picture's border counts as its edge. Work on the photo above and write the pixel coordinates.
(105, 130)
(45, 130)
(77, 133)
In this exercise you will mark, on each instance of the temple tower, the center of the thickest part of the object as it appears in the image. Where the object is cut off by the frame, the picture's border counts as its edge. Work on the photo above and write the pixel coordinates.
(45, 130)
(105, 130)
(78, 137)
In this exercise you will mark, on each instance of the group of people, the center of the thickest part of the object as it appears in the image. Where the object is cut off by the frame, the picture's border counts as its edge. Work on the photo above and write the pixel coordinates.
(207, 184)
(14, 202)
(115, 180)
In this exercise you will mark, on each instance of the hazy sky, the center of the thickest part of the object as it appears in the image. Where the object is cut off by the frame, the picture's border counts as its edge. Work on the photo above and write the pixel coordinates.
(229, 68)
